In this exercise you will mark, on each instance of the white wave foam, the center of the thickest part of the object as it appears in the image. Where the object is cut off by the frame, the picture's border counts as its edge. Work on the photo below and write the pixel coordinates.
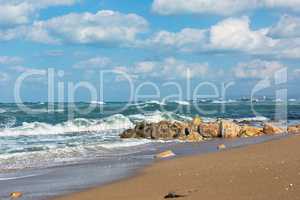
(157, 116)
(7, 121)
(224, 101)
(155, 102)
(2, 110)
(185, 103)
(78, 125)
(253, 119)
(68, 155)
(98, 102)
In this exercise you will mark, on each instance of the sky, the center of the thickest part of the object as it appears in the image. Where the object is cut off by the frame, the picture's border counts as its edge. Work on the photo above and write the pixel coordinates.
(157, 46)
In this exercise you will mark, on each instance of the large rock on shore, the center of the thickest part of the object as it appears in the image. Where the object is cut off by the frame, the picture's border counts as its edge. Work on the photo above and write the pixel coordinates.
(166, 130)
(192, 137)
(295, 129)
(250, 131)
(229, 129)
(162, 130)
(210, 130)
(271, 129)
(197, 130)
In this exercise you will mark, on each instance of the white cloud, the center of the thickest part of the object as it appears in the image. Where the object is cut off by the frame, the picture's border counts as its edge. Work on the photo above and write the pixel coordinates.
(39, 76)
(230, 34)
(93, 63)
(227, 35)
(171, 68)
(54, 53)
(8, 60)
(185, 40)
(145, 67)
(287, 27)
(4, 77)
(104, 27)
(22, 69)
(235, 34)
(16, 12)
(224, 7)
(218, 7)
(257, 69)
(296, 74)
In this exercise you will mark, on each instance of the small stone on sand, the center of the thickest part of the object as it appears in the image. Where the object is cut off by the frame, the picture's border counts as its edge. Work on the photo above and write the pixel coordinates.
(16, 195)
(221, 146)
(172, 195)
(165, 154)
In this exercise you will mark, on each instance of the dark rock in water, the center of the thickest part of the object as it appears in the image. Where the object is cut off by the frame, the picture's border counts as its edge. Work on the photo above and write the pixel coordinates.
(130, 133)
(143, 130)
(197, 130)
(162, 130)
(172, 195)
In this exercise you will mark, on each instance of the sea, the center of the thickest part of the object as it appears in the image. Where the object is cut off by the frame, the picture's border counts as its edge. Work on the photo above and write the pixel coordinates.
(40, 139)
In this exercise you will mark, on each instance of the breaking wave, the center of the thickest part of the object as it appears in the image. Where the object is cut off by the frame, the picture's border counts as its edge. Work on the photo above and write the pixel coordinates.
(74, 126)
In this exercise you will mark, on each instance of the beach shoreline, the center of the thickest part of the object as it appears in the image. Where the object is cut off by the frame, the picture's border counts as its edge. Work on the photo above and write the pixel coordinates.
(258, 171)
(50, 182)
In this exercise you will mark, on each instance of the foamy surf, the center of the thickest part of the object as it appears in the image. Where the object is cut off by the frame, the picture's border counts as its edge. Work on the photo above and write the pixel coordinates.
(184, 103)
(114, 122)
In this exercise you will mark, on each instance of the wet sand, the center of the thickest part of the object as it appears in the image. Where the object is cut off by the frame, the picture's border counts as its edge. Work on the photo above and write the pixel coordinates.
(269, 170)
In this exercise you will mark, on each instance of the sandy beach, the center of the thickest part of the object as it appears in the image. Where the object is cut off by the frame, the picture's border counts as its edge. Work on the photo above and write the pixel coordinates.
(270, 170)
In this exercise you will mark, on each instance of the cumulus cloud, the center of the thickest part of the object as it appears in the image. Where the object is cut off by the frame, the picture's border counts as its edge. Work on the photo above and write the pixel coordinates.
(16, 12)
(104, 27)
(235, 34)
(4, 77)
(230, 34)
(93, 63)
(171, 68)
(185, 40)
(224, 7)
(287, 27)
(9, 60)
(296, 73)
(257, 69)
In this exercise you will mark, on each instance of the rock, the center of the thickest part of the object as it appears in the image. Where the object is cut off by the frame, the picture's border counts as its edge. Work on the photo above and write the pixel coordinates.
(130, 133)
(250, 131)
(221, 146)
(229, 129)
(16, 195)
(192, 137)
(164, 130)
(143, 130)
(271, 129)
(172, 195)
(294, 129)
(196, 121)
(209, 130)
(165, 154)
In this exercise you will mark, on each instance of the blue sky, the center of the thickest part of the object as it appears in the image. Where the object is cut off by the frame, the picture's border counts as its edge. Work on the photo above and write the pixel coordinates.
(150, 41)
